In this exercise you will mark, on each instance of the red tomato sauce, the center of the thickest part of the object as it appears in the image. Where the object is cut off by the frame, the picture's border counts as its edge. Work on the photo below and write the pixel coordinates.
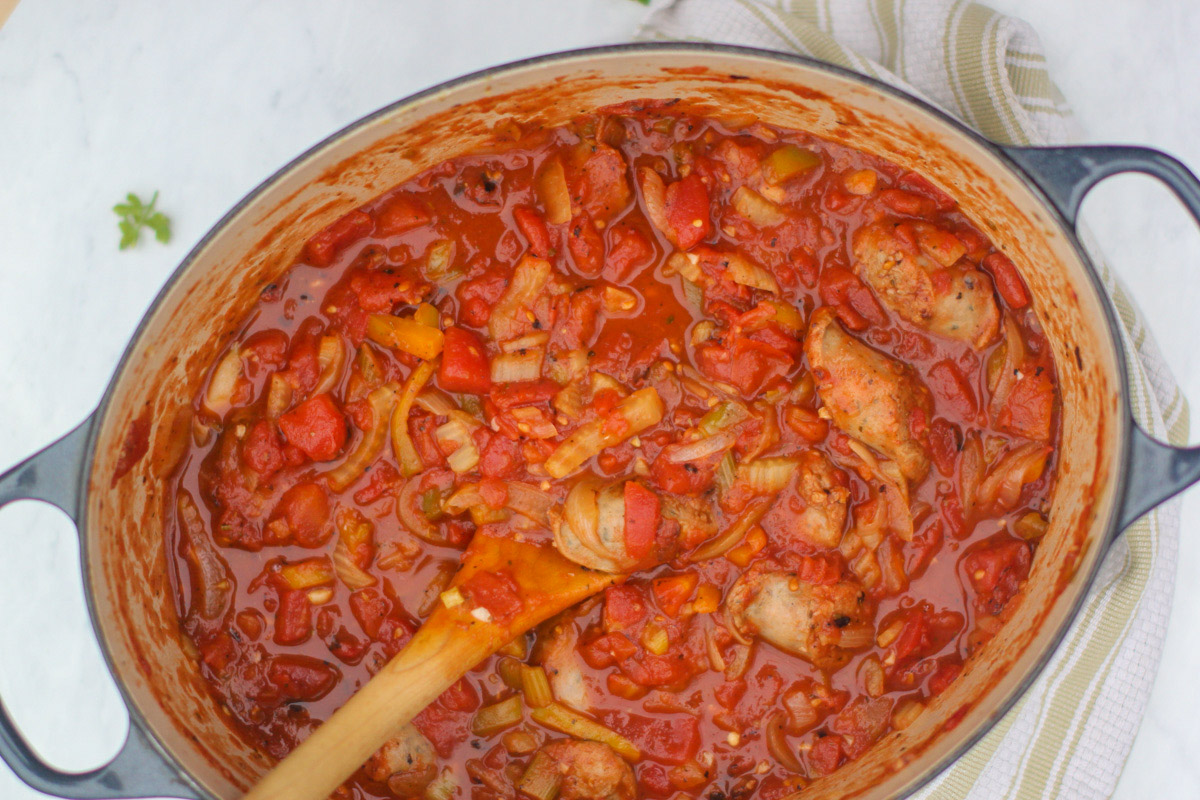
(650, 283)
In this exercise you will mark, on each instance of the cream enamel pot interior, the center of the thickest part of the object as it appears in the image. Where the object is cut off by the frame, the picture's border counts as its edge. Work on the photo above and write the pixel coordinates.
(1025, 199)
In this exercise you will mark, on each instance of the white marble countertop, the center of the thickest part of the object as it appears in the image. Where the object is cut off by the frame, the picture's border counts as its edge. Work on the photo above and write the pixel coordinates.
(202, 101)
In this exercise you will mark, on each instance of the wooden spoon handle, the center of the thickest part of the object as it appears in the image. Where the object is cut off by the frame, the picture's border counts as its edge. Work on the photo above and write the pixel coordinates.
(433, 660)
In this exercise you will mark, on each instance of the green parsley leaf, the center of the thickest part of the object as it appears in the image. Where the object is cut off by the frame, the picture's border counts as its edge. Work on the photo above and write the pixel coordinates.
(136, 215)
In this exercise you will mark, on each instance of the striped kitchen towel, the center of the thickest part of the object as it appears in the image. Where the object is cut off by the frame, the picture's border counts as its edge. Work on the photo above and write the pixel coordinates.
(1070, 735)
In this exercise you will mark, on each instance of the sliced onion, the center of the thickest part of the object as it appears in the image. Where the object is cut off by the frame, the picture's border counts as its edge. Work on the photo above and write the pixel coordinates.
(891, 486)
(733, 535)
(654, 193)
(530, 502)
(971, 468)
(1001, 489)
(350, 574)
(640, 410)
(777, 744)
(1014, 357)
(332, 358)
(214, 583)
(455, 436)
(516, 367)
(436, 402)
(402, 446)
(381, 401)
(219, 397)
(744, 271)
(509, 318)
(760, 211)
(414, 520)
(279, 396)
(552, 191)
(770, 431)
(700, 449)
(768, 475)
(535, 339)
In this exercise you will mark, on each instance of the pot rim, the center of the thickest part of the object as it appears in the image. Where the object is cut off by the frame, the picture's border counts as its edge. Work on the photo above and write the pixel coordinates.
(690, 49)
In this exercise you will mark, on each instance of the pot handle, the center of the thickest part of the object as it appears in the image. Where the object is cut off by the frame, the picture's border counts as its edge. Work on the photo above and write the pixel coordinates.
(55, 475)
(1157, 471)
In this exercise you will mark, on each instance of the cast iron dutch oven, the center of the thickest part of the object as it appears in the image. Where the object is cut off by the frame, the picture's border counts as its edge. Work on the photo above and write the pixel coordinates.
(1026, 199)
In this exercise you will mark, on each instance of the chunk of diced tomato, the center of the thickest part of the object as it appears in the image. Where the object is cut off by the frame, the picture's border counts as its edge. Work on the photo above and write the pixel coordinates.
(305, 507)
(262, 449)
(323, 247)
(316, 426)
(856, 306)
(1028, 409)
(293, 618)
(950, 385)
(607, 650)
(668, 740)
(464, 366)
(688, 212)
(302, 678)
(586, 246)
(495, 591)
(1008, 280)
(642, 515)
(628, 250)
(370, 608)
(826, 754)
(673, 591)
(624, 607)
(500, 458)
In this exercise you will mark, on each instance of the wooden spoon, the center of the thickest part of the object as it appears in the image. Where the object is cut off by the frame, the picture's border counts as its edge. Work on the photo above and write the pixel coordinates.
(451, 642)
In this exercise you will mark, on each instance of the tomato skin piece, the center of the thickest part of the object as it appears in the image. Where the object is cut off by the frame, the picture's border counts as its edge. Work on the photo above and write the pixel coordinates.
(323, 247)
(402, 213)
(642, 515)
(317, 427)
(1007, 279)
(688, 212)
(535, 230)
(464, 366)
